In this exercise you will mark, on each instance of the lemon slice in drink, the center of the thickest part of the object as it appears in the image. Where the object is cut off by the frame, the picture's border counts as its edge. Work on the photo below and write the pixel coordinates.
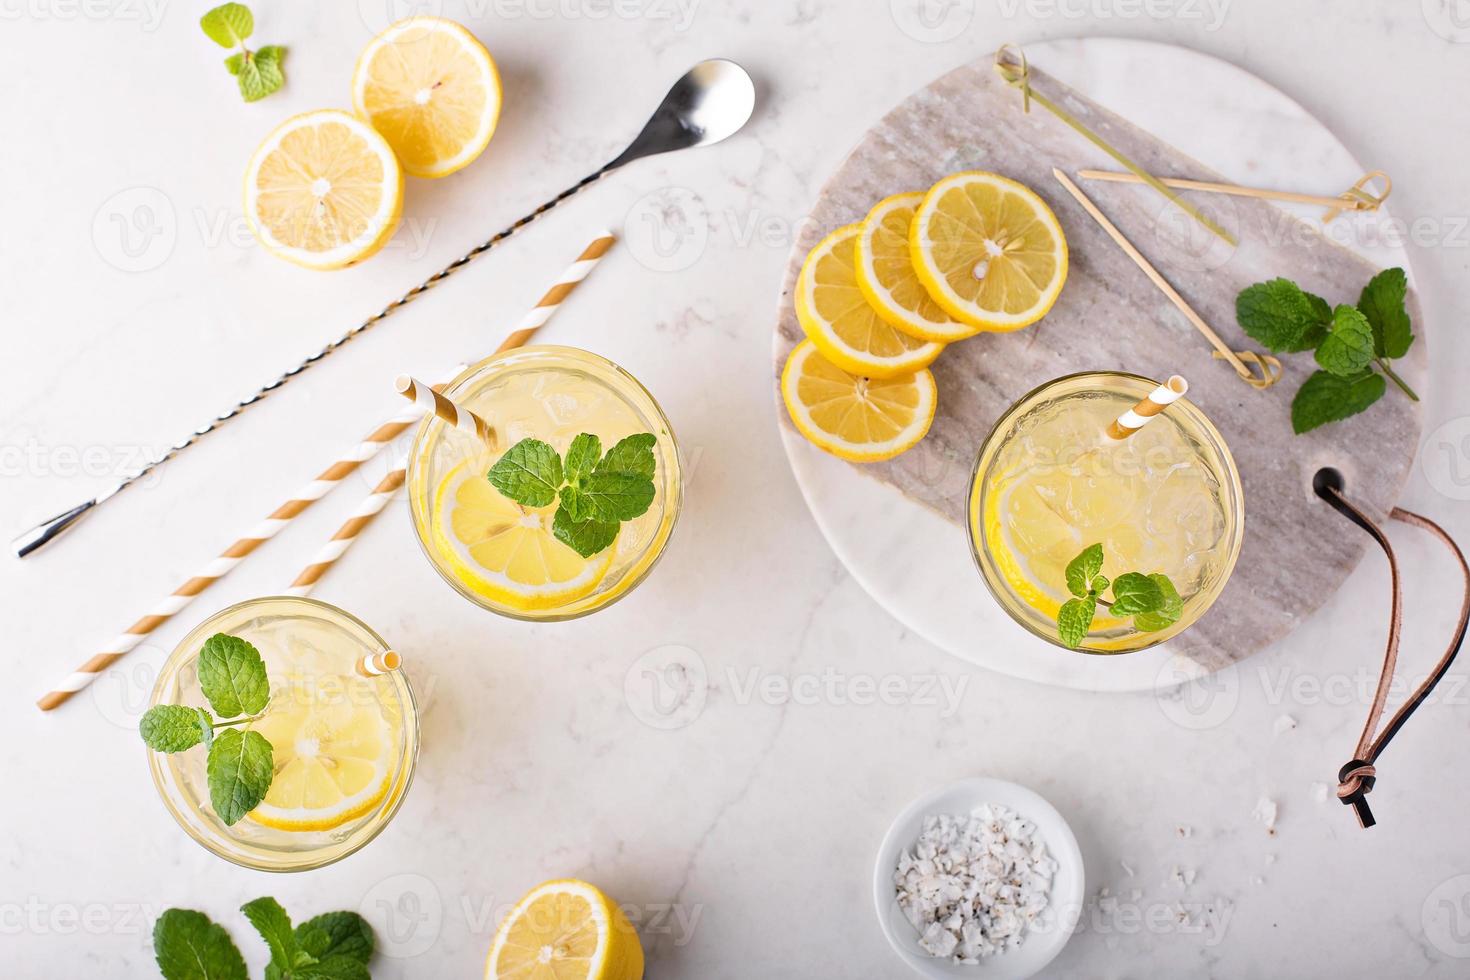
(331, 751)
(565, 930)
(988, 250)
(860, 419)
(885, 274)
(506, 552)
(839, 320)
(324, 190)
(430, 87)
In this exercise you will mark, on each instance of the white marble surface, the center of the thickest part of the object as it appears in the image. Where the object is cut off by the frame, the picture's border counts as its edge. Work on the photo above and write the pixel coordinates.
(756, 820)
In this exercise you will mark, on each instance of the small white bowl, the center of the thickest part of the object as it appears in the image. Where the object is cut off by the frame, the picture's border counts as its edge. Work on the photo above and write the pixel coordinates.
(1042, 944)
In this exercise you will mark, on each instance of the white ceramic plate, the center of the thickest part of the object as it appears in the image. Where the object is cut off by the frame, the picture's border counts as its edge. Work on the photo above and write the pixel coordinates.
(1042, 943)
(920, 568)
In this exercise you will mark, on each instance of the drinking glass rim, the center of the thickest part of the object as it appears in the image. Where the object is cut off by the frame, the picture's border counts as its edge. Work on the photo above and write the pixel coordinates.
(419, 450)
(157, 764)
(1236, 527)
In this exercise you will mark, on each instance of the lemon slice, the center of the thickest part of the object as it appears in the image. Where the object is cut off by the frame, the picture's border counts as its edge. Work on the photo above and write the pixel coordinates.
(839, 320)
(506, 552)
(565, 930)
(432, 90)
(885, 274)
(859, 419)
(331, 746)
(324, 190)
(988, 250)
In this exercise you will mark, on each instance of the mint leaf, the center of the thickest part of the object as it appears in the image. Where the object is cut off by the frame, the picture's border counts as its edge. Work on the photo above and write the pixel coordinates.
(239, 769)
(1100, 585)
(582, 457)
(529, 473)
(576, 504)
(274, 926)
(1134, 593)
(259, 73)
(1168, 612)
(228, 25)
(1325, 397)
(335, 968)
(1279, 314)
(633, 455)
(206, 726)
(233, 676)
(169, 728)
(1348, 349)
(1083, 569)
(586, 537)
(1383, 303)
(188, 946)
(1074, 620)
(337, 934)
(617, 496)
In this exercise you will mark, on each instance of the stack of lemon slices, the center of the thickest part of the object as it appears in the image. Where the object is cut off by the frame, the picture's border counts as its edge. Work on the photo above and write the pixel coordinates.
(879, 300)
(325, 189)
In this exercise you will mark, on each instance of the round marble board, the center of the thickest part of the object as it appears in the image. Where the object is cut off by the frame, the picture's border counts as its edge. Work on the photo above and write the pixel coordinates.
(898, 526)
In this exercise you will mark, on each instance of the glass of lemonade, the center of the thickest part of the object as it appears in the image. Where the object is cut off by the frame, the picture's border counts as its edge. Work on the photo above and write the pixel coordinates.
(503, 555)
(1049, 482)
(343, 744)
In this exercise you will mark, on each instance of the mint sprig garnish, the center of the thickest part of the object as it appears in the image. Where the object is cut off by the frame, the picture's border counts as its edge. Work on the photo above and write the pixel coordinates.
(240, 764)
(258, 73)
(594, 493)
(333, 946)
(1151, 600)
(1352, 345)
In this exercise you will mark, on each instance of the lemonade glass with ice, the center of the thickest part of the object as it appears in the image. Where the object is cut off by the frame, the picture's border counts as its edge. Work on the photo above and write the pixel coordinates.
(503, 555)
(1049, 482)
(343, 744)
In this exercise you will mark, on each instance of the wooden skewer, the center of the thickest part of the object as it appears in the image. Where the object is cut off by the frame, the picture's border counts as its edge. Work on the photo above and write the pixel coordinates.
(1355, 199)
(1164, 287)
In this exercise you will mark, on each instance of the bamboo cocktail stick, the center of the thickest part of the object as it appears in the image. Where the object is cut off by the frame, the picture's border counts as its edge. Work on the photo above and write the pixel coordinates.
(1355, 198)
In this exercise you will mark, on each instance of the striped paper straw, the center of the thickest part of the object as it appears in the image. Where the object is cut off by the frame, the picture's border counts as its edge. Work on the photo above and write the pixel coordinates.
(374, 503)
(1136, 417)
(344, 466)
(542, 311)
(378, 664)
(439, 404)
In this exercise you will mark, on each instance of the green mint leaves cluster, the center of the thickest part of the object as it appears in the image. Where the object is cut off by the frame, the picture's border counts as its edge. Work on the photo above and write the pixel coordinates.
(259, 72)
(1349, 342)
(1151, 600)
(596, 492)
(241, 764)
(334, 946)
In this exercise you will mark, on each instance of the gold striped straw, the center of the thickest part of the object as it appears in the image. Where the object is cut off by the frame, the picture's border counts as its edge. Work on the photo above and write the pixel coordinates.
(440, 404)
(1152, 404)
(378, 664)
(375, 501)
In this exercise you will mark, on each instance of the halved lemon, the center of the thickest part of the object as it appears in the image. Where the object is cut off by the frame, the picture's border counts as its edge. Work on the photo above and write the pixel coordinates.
(840, 321)
(565, 930)
(505, 551)
(332, 751)
(988, 250)
(324, 190)
(885, 274)
(860, 419)
(430, 87)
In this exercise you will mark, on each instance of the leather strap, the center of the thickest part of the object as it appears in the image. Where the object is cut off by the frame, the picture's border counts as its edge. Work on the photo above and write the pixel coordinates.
(1358, 776)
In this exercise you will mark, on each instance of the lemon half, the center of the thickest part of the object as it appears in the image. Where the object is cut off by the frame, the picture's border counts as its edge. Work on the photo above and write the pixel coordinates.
(565, 930)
